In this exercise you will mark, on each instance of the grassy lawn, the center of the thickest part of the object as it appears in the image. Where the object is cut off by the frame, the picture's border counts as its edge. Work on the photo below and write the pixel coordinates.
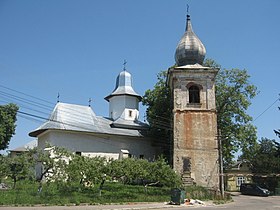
(26, 194)
(55, 194)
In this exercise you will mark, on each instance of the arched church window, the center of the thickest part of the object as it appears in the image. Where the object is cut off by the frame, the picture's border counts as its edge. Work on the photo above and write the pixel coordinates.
(194, 94)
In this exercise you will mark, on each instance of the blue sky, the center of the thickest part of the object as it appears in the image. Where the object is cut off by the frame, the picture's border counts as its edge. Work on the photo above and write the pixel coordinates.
(77, 47)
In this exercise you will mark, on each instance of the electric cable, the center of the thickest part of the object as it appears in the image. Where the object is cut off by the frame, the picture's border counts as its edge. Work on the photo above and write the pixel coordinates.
(266, 109)
(10, 89)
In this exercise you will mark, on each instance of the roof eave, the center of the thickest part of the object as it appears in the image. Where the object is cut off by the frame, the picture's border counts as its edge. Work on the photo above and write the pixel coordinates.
(112, 95)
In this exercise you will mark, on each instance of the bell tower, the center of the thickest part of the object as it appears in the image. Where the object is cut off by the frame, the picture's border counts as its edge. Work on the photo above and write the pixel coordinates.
(195, 145)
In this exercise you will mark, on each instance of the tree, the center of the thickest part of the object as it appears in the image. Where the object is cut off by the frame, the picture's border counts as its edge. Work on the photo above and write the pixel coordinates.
(277, 132)
(50, 164)
(162, 173)
(130, 170)
(19, 167)
(7, 124)
(86, 171)
(3, 167)
(233, 95)
(159, 109)
(266, 159)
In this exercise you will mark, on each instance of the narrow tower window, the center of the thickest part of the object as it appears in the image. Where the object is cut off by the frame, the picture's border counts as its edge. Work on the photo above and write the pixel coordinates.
(194, 94)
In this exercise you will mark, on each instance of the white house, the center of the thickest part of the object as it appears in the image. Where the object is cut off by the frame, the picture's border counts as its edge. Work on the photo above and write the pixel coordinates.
(78, 129)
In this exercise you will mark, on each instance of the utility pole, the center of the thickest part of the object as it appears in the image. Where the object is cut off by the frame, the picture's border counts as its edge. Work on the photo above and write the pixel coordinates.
(222, 187)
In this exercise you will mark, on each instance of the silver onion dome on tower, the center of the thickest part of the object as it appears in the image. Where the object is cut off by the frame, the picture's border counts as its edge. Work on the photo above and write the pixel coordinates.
(190, 49)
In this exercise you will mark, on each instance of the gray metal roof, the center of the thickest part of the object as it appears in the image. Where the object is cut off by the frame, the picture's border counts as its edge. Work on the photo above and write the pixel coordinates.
(190, 49)
(73, 117)
(122, 123)
(123, 86)
(30, 145)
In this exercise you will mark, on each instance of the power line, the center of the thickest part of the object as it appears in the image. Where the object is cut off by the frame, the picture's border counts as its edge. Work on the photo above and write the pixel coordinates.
(26, 94)
(266, 109)
(67, 110)
(160, 121)
(21, 101)
(32, 115)
(30, 118)
(100, 139)
(76, 116)
(27, 101)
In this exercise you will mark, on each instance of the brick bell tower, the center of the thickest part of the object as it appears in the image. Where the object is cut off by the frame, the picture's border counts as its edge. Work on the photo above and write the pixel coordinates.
(195, 145)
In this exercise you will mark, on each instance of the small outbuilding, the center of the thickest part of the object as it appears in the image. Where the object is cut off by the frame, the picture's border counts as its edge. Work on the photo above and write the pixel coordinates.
(237, 174)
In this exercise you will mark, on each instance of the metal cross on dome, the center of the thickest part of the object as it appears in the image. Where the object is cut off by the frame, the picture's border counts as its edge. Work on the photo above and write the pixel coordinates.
(124, 65)
(89, 102)
(57, 98)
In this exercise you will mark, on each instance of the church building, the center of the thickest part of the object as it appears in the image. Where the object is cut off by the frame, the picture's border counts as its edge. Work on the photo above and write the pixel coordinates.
(121, 134)
(78, 129)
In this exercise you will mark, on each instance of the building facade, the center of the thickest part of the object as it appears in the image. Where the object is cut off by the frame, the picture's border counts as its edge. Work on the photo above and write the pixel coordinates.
(236, 174)
(78, 129)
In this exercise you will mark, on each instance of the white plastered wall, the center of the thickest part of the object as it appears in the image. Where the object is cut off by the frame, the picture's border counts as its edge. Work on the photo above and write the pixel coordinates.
(108, 146)
(121, 105)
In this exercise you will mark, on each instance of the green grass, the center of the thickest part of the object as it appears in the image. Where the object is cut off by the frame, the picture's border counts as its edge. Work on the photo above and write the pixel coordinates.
(201, 193)
(26, 194)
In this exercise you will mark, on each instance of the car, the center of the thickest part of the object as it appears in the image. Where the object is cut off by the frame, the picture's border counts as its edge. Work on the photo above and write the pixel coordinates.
(253, 189)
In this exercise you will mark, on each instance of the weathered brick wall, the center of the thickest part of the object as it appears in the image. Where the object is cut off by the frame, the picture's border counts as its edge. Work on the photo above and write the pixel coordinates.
(196, 146)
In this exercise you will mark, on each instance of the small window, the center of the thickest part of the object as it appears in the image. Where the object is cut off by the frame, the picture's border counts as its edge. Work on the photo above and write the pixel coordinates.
(240, 180)
(130, 113)
(194, 97)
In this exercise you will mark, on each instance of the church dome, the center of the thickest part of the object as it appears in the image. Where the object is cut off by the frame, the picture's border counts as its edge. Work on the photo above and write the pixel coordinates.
(123, 86)
(190, 49)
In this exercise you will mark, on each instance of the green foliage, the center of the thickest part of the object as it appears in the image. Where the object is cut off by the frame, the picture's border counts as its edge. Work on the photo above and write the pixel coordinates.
(53, 194)
(51, 162)
(3, 167)
(68, 175)
(128, 170)
(266, 159)
(86, 170)
(160, 171)
(131, 170)
(277, 132)
(233, 97)
(19, 167)
(159, 109)
(7, 124)
(68, 170)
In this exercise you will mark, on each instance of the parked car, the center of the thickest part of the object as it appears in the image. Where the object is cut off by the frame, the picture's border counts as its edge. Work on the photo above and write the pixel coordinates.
(253, 189)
